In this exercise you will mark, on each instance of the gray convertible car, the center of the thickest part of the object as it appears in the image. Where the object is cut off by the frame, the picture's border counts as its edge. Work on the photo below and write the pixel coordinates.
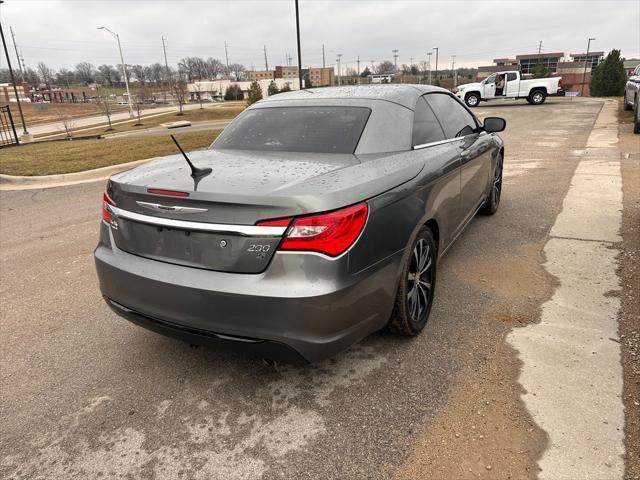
(316, 218)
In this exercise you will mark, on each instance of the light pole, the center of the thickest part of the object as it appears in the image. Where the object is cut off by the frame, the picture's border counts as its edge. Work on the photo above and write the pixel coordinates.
(339, 72)
(26, 137)
(436, 49)
(453, 70)
(124, 68)
(586, 59)
(299, 52)
(429, 65)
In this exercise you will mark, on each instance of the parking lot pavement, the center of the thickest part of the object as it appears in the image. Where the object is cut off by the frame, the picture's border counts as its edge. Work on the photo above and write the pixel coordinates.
(85, 394)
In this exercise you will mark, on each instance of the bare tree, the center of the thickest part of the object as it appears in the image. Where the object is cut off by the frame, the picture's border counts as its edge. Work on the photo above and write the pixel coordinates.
(105, 107)
(46, 74)
(238, 71)
(67, 121)
(156, 73)
(385, 67)
(198, 89)
(85, 72)
(215, 68)
(141, 73)
(180, 93)
(107, 74)
(142, 95)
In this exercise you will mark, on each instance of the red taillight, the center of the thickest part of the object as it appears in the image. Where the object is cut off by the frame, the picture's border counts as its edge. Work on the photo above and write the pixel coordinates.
(329, 233)
(169, 193)
(560, 83)
(106, 200)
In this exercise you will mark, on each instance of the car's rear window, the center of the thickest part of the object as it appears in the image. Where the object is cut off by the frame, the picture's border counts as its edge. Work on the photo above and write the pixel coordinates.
(296, 129)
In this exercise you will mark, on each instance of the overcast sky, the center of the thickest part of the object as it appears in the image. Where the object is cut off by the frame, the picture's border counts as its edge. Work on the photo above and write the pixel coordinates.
(63, 33)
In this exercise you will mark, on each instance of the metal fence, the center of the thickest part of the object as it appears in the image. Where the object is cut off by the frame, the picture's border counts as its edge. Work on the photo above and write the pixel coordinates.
(8, 135)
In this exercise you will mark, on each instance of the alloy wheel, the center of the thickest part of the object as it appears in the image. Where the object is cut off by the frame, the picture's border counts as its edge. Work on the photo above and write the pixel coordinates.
(537, 97)
(497, 183)
(420, 281)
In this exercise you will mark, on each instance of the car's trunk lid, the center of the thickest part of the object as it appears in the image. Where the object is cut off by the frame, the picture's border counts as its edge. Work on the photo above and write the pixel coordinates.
(244, 188)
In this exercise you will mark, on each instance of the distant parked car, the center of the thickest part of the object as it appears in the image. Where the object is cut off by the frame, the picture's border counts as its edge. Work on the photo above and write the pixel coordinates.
(316, 218)
(632, 97)
(509, 84)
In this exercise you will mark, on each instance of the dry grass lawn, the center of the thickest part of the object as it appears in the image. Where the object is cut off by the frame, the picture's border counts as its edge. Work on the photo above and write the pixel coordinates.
(48, 158)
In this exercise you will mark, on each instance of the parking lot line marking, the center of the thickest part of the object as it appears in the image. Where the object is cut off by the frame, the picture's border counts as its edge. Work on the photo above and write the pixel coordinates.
(571, 369)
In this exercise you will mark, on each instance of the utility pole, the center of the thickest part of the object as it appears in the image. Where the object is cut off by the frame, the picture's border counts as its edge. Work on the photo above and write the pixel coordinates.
(299, 52)
(13, 37)
(226, 54)
(124, 68)
(166, 64)
(15, 88)
(436, 49)
(395, 60)
(266, 63)
(323, 56)
(429, 65)
(586, 59)
(453, 70)
(540, 52)
(338, 62)
(358, 61)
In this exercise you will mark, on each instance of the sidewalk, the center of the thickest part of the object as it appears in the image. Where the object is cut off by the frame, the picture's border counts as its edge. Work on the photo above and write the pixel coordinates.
(572, 371)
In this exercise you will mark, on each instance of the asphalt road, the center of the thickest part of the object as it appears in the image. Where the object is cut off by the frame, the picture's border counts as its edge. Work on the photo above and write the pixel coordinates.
(85, 394)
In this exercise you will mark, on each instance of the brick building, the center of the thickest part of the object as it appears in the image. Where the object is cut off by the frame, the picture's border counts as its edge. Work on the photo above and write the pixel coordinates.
(255, 75)
(321, 77)
(286, 72)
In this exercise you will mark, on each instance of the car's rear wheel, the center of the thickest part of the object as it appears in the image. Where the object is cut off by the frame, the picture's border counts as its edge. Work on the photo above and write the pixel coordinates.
(493, 199)
(416, 288)
(625, 103)
(537, 97)
(472, 100)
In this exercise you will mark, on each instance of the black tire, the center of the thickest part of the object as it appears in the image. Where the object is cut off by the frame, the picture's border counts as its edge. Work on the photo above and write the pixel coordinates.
(414, 298)
(495, 191)
(537, 97)
(625, 104)
(472, 99)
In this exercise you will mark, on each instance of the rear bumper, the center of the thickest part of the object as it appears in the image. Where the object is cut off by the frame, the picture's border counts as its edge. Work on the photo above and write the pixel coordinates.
(310, 306)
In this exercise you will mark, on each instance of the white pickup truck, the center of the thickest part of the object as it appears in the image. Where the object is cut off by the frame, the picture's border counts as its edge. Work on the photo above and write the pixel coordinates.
(535, 90)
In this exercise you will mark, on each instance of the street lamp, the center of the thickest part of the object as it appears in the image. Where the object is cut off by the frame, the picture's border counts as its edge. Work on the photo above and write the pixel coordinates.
(26, 137)
(300, 79)
(124, 69)
(586, 59)
(436, 49)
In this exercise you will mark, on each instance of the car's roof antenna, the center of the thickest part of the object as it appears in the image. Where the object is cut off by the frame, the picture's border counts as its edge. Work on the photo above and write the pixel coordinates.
(196, 173)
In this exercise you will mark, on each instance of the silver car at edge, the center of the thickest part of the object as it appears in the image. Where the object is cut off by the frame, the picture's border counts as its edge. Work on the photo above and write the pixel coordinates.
(320, 221)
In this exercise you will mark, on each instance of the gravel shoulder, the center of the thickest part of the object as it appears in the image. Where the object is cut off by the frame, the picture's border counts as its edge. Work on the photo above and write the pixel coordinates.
(629, 273)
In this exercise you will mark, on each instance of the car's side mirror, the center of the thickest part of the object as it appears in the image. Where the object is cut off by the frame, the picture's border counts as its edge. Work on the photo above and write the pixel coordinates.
(494, 124)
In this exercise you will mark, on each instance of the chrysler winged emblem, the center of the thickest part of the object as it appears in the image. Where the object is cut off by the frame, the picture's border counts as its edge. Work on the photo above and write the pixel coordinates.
(171, 208)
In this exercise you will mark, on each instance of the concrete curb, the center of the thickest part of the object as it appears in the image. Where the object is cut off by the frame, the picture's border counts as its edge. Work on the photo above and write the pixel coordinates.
(12, 182)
